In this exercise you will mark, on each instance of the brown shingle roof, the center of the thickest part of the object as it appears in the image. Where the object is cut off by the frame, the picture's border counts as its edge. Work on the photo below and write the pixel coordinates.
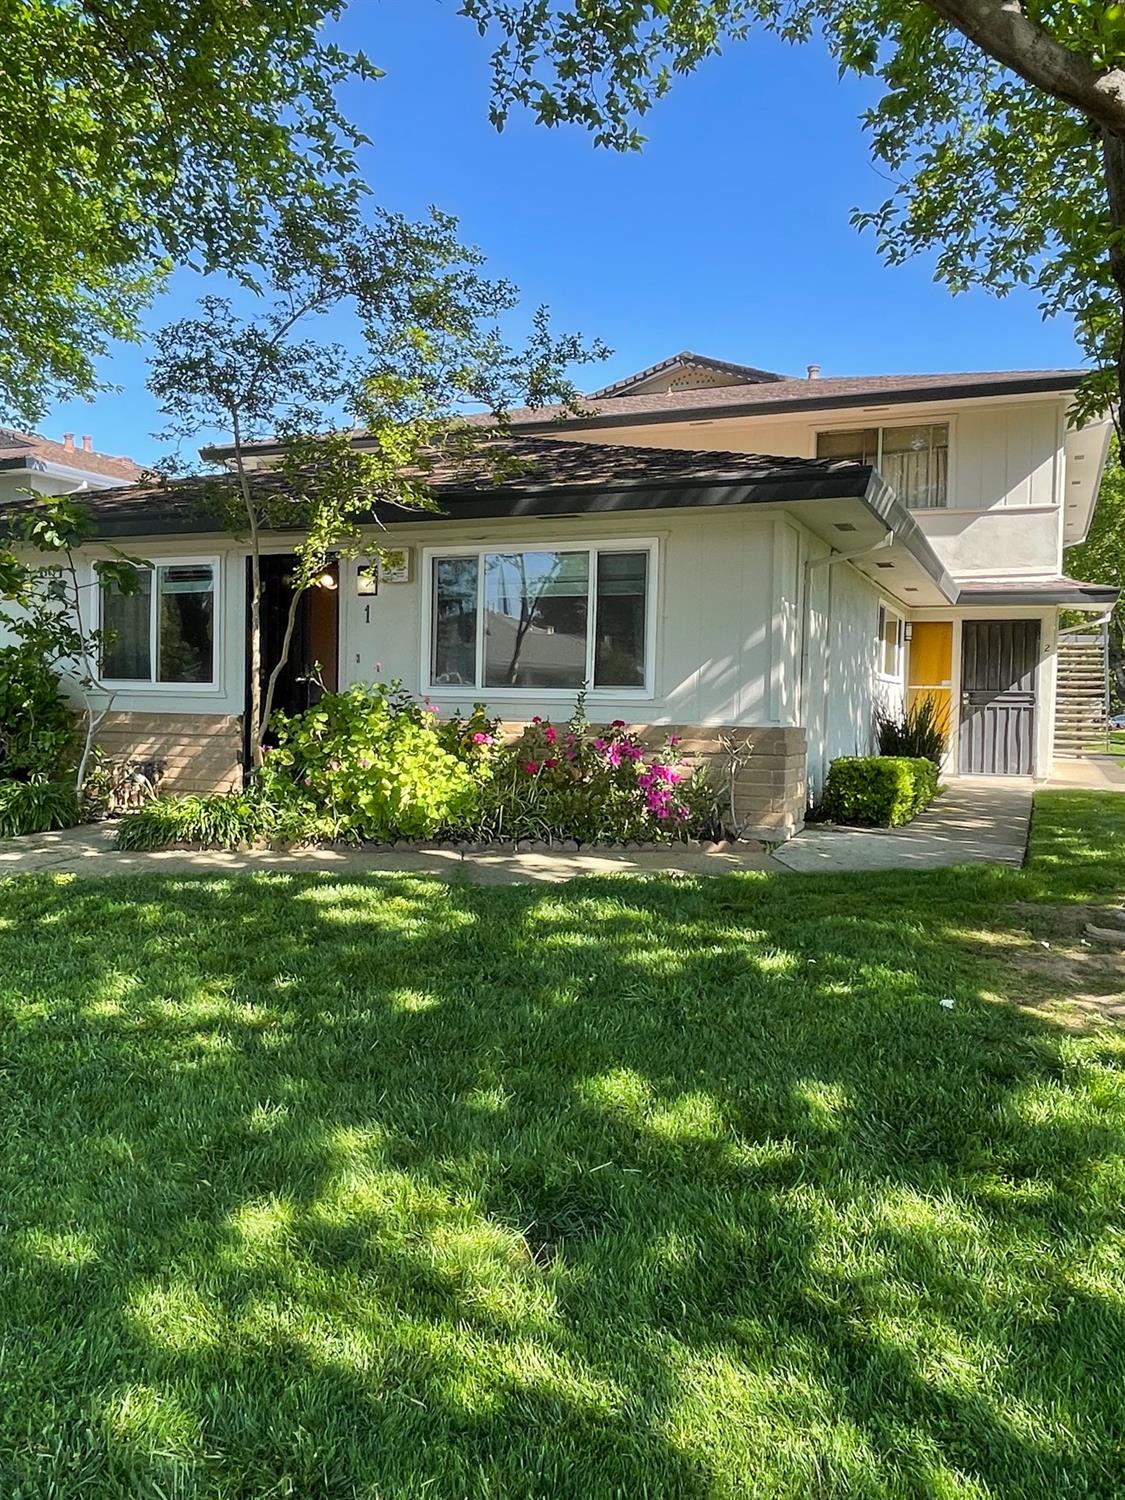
(547, 466)
(602, 410)
(16, 448)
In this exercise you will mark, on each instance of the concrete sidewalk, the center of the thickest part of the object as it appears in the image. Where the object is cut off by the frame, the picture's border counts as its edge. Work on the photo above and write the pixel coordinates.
(89, 851)
(974, 821)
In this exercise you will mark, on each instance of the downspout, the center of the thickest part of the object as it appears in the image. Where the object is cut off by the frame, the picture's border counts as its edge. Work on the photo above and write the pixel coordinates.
(806, 614)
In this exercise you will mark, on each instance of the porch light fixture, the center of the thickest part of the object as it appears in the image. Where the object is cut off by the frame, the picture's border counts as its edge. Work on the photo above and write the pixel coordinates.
(325, 580)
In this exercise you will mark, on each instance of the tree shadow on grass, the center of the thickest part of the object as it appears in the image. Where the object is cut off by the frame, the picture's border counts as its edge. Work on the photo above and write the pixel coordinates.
(622, 1188)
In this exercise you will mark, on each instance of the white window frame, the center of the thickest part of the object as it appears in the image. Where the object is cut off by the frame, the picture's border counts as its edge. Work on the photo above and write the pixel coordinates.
(835, 428)
(886, 611)
(442, 690)
(152, 684)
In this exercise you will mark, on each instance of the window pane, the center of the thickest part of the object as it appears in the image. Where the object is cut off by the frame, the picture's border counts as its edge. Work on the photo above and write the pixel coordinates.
(857, 447)
(619, 650)
(186, 623)
(890, 628)
(536, 604)
(915, 464)
(126, 618)
(454, 638)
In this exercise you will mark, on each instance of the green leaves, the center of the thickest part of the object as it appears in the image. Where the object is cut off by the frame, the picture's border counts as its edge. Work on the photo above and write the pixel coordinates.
(138, 134)
(1000, 182)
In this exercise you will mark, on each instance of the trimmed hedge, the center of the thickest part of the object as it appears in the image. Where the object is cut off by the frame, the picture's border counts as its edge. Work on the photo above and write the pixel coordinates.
(879, 791)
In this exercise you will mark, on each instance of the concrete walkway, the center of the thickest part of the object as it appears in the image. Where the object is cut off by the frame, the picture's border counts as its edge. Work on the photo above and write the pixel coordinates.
(1090, 773)
(89, 851)
(974, 821)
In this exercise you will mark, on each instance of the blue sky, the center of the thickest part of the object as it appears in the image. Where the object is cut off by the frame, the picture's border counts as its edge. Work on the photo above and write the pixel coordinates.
(729, 235)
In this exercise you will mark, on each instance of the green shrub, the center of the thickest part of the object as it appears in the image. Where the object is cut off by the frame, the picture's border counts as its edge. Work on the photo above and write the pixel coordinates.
(37, 725)
(590, 784)
(879, 791)
(36, 807)
(370, 763)
(921, 730)
(219, 821)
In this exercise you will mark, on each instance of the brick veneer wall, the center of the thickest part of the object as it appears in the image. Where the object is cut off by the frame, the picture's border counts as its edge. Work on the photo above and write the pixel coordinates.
(198, 752)
(770, 786)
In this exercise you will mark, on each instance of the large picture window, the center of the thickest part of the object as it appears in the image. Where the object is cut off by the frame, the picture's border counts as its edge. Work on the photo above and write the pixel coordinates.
(556, 619)
(913, 460)
(165, 632)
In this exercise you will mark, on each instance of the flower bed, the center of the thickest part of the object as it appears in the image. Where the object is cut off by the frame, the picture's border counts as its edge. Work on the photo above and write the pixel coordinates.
(372, 765)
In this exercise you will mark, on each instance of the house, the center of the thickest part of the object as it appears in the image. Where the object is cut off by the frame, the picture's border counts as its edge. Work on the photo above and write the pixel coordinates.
(29, 462)
(708, 547)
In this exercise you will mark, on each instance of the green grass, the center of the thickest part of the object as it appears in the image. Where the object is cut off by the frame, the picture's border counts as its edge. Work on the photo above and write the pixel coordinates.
(621, 1188)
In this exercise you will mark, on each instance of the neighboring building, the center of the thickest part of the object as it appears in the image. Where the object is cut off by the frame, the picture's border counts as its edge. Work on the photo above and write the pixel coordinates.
(903, 535)
(30, 462)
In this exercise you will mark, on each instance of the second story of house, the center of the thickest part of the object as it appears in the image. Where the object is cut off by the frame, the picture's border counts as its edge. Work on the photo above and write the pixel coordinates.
(995, 474)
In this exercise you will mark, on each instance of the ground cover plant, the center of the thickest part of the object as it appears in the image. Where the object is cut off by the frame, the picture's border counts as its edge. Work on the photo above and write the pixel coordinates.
(389, 1187)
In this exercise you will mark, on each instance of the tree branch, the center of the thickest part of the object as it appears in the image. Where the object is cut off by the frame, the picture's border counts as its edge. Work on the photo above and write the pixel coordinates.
(1000, 28)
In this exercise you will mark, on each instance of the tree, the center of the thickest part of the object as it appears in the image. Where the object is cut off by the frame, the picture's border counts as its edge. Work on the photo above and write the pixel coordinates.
(1101, 559)
(51, 611)
(429, 323)
(138, 134)
(1002, 123)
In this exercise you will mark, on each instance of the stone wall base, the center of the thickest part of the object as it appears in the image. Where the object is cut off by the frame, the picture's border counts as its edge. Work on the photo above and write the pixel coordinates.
(187, 752)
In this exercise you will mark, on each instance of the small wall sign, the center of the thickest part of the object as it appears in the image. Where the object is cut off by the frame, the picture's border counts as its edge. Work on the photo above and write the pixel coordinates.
(394, 565)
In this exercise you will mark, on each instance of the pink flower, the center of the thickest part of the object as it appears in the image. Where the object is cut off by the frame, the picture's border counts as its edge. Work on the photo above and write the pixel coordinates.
(618, 724)
(676, 740)
(550, 764)
(531, 767)
(601, 745)
(482, 739)
(613, 755)
(537, 720)
(550, 734)
(432, 708)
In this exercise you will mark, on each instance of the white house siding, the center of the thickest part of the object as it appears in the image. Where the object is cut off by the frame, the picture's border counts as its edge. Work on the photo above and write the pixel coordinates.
(841, 687)
(725, 637)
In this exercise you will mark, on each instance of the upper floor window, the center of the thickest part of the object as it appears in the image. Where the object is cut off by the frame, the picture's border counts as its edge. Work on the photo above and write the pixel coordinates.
(543, 619)
(165, 631)
(913, 460)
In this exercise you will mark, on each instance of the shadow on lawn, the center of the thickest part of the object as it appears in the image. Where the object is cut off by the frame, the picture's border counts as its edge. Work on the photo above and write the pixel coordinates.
(669, 1189)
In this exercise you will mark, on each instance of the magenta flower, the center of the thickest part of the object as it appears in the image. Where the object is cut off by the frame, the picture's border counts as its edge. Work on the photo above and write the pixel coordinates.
(531, 767)
(550, 764)
(537, 720)
(550, 734)
(601, 745)
(676, 740)
(618, 724)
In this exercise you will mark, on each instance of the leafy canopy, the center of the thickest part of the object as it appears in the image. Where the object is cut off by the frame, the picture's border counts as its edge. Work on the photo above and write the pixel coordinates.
(138, 134)
(995, 145)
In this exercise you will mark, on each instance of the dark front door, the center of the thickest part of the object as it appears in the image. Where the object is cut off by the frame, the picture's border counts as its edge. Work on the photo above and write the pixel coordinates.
(998, 662)
(311, 668)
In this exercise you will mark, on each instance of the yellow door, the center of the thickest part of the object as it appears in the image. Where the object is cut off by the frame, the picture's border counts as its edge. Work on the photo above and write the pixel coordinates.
(930, 672)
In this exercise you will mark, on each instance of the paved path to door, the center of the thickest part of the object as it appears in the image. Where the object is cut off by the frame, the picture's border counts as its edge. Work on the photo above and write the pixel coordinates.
(974, 821)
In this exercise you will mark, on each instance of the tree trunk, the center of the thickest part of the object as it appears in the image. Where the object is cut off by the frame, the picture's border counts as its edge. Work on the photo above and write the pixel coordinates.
(1113, 155)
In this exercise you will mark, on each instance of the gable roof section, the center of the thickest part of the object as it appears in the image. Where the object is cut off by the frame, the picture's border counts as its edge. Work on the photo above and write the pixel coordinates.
(686, 361)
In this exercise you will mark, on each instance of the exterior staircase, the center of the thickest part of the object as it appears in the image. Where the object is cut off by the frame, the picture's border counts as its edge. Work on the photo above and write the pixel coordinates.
(1082, 695)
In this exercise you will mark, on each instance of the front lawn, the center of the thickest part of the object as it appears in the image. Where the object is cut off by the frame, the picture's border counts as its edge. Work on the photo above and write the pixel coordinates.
(622, 1188)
